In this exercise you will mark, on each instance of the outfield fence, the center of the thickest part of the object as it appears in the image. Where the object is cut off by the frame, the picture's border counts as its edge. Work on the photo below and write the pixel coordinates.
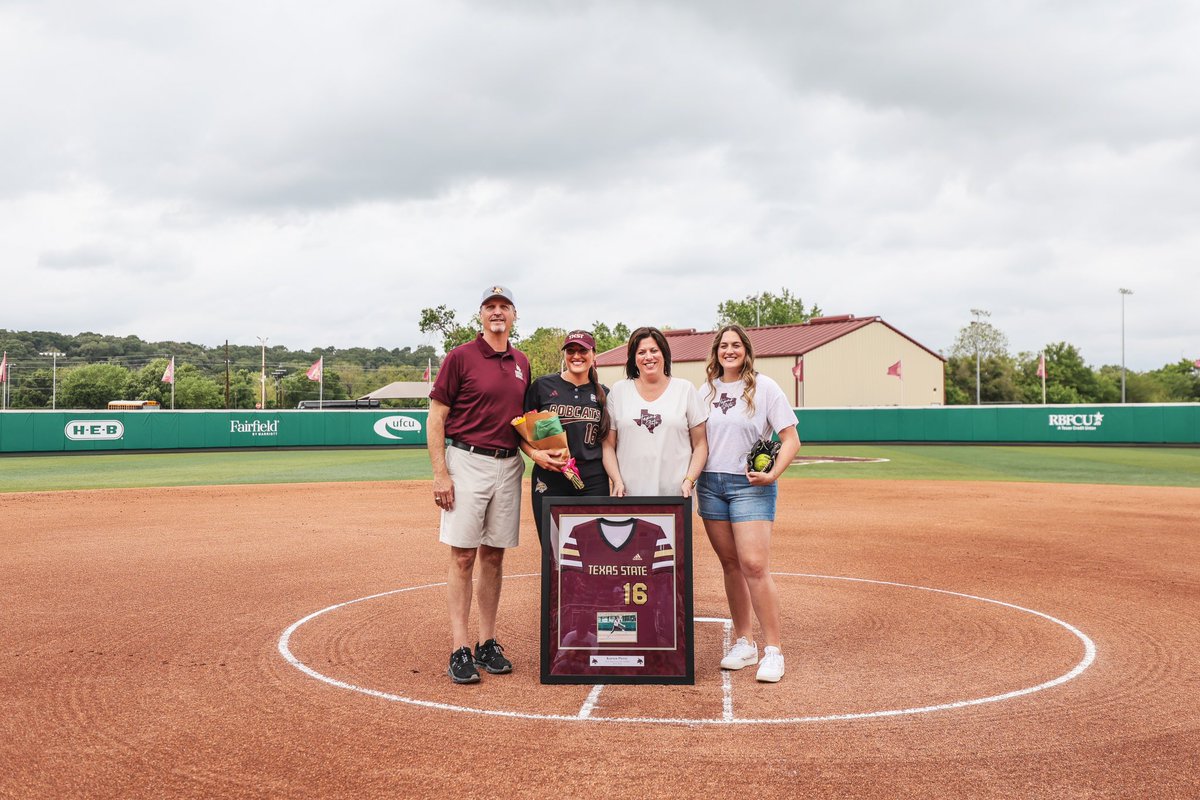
(58, 431)
(66, 431)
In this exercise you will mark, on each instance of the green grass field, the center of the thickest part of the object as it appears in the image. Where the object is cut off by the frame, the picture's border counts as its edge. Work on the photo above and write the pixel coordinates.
(1141, 466)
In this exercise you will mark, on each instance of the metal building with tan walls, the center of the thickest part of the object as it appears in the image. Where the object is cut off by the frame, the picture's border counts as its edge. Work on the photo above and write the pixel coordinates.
(828, 361)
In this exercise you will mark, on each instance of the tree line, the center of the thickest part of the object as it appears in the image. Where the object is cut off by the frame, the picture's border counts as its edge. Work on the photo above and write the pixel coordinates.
(981, 366)
(1003, 376)
(94, 369)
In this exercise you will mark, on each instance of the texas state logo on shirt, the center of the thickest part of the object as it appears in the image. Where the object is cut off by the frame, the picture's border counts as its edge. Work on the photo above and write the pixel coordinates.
(725, 403)
(648, 421)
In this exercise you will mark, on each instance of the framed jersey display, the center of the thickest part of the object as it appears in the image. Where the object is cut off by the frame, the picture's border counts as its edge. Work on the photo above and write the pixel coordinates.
(617, 590)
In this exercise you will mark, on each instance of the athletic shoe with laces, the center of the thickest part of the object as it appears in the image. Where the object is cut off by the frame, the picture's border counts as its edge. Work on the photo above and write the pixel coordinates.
(462, 666)
(744, 653)
(771, 668)
(490, 656)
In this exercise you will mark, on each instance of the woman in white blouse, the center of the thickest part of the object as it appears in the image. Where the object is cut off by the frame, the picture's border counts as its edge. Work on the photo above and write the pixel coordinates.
(656, 445)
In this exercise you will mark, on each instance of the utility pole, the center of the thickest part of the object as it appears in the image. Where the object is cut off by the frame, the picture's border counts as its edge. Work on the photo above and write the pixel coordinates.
(54, 354)
(262, 378)
(278, 374)
(979, 314)
(1123, 293)
(226, 374)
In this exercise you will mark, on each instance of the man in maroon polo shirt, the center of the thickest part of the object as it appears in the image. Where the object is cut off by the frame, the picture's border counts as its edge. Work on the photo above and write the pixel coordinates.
(477, 471)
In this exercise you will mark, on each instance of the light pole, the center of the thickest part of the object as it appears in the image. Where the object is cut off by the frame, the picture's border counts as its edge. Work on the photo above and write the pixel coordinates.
(54, 354)
(979, 314)
(1123, 293)
(262, 378)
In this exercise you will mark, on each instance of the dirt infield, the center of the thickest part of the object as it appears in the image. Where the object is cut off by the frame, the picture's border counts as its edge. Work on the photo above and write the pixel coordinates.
(140, 652)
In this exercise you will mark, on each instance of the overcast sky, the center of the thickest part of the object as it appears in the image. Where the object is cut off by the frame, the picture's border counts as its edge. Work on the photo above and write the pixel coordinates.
(319, 172)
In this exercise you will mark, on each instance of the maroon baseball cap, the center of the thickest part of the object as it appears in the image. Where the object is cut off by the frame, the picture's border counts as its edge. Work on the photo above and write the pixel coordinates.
(581, 338)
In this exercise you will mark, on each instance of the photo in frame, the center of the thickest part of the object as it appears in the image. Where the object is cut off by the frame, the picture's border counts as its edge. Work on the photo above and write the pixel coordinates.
(617, 590)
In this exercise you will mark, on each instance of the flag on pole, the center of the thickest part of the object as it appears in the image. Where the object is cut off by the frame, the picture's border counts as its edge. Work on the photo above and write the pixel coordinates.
(4, 368)
(894, 369)
(317, 373)
(428, 376)
(798, 370)
(1041, 373)
(169, 373)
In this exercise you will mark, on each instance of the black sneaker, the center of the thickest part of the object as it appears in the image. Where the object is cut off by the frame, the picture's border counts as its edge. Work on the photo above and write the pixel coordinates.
(462, 667)
(490, 656)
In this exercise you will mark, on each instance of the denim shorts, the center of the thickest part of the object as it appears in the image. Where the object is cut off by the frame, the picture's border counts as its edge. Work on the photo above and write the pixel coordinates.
(731, 498)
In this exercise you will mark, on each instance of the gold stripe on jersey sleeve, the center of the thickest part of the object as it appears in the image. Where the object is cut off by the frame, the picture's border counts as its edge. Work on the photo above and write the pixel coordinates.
(664, 553)
(567, 551)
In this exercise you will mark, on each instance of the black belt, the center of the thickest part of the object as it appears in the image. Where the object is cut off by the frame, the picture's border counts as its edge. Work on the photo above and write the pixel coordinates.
(483, 451)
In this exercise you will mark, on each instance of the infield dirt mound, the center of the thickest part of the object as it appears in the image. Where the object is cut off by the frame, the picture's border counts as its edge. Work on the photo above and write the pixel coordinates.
(138, 651)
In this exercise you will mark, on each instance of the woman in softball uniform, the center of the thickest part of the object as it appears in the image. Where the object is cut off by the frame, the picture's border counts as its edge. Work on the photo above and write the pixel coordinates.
(579, 399)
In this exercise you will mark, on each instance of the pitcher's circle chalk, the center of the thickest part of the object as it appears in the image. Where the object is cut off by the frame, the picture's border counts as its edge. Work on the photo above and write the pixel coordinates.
(1089, 655)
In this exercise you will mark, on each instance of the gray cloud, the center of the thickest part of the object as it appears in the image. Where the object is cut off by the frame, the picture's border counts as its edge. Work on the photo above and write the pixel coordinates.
(81, 257)
(612, 160)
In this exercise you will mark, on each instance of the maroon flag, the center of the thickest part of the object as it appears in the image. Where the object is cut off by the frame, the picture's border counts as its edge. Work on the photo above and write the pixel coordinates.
(798, 371)
(316, 370)
(169, 372)
(894, 369)
(4, 368)
(1041, 370)
(426, 376)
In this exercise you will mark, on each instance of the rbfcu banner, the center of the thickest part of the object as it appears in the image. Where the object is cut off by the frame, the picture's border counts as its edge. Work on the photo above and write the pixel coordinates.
(1163, 423)
(51, 431)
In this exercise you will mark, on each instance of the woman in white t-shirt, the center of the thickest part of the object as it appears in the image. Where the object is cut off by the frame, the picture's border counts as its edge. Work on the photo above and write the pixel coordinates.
(737, 504)
(656, 446)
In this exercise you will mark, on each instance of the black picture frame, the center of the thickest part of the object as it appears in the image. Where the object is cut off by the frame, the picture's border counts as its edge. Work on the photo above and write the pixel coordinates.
(630, 611)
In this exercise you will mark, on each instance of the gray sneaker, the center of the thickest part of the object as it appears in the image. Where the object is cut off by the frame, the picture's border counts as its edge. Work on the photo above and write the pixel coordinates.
(462, 667)
(490, 656)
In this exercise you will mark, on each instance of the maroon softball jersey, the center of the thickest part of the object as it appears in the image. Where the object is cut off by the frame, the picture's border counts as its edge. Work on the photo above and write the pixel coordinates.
(627, 575)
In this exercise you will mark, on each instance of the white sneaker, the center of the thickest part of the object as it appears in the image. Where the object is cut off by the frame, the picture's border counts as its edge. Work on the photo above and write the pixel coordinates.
(771, 668)
(744, 653)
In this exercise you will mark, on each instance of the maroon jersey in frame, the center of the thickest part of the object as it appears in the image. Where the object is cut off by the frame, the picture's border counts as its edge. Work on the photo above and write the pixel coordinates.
(617, 587)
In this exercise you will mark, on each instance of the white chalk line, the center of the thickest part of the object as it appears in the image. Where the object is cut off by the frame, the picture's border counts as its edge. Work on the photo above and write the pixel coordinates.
(726, 679)
(589, 705)
(1088, 658)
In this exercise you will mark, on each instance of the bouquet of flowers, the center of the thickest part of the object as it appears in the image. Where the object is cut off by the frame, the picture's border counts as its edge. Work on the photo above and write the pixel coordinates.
(544, 430)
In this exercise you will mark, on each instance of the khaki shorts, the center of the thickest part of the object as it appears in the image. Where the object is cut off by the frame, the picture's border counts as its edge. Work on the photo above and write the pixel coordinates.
(487, 500)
